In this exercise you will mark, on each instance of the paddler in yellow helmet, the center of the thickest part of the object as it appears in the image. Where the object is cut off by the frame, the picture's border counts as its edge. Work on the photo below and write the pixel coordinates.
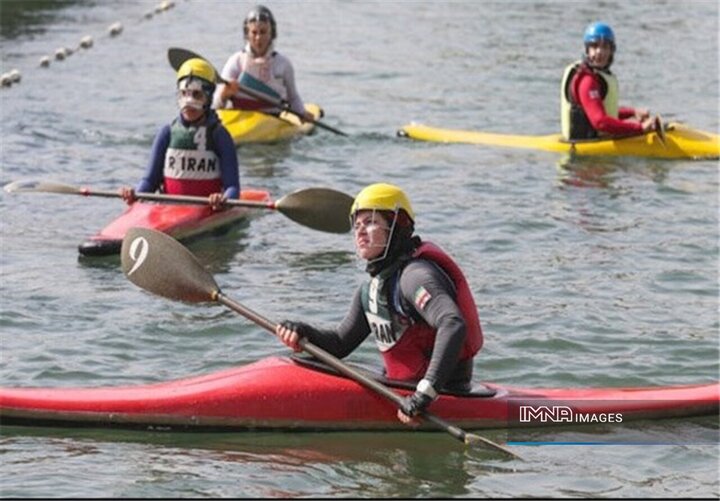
(416, 304)
(193, 155)
(260, 67)
(589, 94)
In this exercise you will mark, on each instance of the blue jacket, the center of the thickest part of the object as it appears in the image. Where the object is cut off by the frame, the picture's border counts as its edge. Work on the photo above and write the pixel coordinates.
(222, 145)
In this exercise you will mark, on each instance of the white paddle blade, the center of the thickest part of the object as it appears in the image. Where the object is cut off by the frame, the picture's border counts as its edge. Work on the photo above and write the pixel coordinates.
(39, 186)
(160, 264)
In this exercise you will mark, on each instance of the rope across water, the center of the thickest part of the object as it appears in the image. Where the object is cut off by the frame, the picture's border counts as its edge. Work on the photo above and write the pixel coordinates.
(14, 76)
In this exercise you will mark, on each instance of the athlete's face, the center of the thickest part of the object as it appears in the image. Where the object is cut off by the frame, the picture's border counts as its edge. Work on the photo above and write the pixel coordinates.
(599, 53)
(371, 234)
(191, 99)
(259, 34)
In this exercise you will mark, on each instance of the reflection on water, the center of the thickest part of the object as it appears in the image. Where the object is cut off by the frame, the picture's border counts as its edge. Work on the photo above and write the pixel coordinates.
(592, 187)
(264, 160)
(215, 251)
(384, 464)
(23, 17)
(702, 430)
(605, 172)
(319, 261)
(398, 464)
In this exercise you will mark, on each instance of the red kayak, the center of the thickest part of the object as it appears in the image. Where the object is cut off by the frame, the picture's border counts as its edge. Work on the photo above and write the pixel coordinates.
(284, 393)
(181, 221)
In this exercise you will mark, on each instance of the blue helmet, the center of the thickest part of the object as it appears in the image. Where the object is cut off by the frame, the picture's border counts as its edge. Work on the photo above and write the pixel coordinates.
(599, 31)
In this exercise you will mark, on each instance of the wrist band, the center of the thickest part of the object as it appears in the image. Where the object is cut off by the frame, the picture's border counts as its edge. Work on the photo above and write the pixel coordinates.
(424, 386)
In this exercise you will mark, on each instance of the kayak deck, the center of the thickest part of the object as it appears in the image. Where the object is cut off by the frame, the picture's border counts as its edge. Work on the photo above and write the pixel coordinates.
(680, 142)
(181, 221)
(257, 127)
(279, 393)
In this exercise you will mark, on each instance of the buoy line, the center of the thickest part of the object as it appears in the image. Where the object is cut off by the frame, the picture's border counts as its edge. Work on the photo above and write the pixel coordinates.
(14, 76)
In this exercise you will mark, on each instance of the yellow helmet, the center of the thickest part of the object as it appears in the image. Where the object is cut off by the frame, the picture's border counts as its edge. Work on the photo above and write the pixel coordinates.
(197, 68)
(382, 196)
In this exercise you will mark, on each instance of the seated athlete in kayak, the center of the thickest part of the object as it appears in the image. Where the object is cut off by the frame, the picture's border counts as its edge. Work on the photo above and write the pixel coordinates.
(261, 68)
(417, 304)
(193, 155)
(589, 94)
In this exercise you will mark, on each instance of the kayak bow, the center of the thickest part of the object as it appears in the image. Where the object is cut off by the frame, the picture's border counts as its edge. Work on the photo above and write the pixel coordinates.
(181, 221)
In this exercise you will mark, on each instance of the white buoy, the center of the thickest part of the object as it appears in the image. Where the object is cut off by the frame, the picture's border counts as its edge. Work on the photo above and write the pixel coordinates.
(15, 76)
(86, 42)
(60, 54)
(115, 29)
(44, 62)
(5, 80)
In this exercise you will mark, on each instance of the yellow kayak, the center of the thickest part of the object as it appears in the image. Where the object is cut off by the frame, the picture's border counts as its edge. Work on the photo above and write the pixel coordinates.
(680, 142)
(257, 127)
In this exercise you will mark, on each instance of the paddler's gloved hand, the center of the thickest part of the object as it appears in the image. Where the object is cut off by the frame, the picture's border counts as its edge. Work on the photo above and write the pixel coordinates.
(291, 332)
(419, 401)
(415, 404)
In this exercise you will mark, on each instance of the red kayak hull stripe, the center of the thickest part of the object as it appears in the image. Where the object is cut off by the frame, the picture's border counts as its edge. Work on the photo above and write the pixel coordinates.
(278, 393)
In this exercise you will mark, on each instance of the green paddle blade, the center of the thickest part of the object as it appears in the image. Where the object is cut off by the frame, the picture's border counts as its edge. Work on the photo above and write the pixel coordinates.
(160, 264)
(321, 209)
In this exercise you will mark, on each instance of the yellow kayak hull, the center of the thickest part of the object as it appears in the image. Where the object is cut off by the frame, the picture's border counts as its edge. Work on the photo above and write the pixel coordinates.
(257, 127)
(680, 142)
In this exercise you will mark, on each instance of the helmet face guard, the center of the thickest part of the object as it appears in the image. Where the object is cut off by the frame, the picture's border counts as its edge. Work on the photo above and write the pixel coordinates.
(394, 207)
(194, 93)
(260, 14)
(386, 225)
(195, 76)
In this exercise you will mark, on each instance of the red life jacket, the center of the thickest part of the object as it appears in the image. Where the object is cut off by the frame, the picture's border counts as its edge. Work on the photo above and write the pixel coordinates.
(408, 348)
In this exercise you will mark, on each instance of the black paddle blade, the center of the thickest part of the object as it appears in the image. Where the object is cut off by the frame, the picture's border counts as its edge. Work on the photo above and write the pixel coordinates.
(177, 56)
(660, 130)
(39, 186)
(321, 209)
(160, 264)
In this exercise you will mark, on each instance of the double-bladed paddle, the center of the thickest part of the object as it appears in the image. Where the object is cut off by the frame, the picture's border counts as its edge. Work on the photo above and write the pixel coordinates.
(178, 56)
(322, 209)
(160, 264)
